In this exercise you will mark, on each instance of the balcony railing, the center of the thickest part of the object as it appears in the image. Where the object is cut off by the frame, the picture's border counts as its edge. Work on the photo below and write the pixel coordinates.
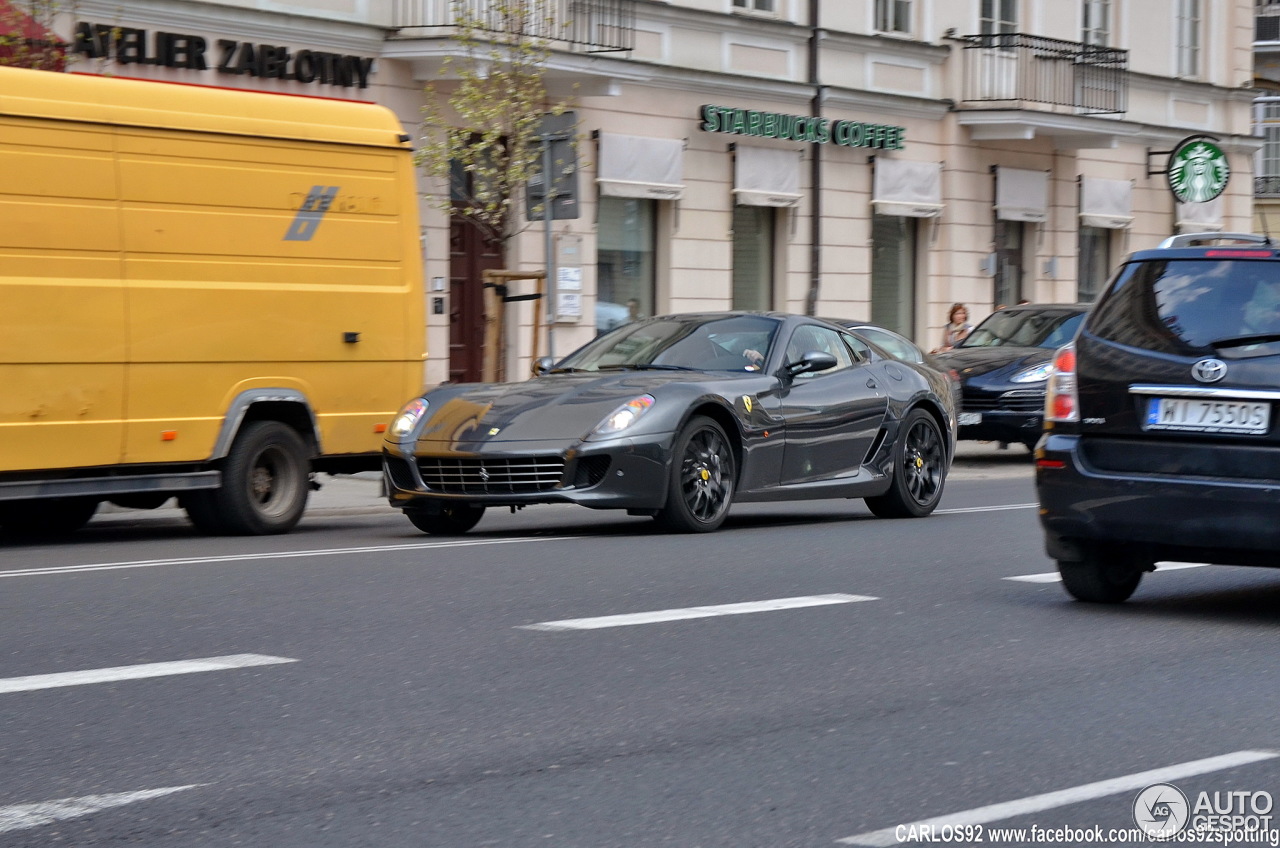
(1014, 69)
(592, 26)
(1266, 186)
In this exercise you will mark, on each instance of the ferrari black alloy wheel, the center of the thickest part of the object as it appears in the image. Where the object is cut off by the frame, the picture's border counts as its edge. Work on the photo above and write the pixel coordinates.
(703, 475)
(451, 520)
(919, 470)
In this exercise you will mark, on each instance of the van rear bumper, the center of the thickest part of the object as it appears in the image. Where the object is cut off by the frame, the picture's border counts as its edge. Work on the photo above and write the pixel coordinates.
(1164, 516)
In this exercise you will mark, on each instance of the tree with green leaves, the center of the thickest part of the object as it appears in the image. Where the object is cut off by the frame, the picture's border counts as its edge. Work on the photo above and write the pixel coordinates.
(481, 121)
(27, 39)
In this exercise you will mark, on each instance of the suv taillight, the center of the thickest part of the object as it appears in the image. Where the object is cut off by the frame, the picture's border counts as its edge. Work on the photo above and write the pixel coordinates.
(1062, 401)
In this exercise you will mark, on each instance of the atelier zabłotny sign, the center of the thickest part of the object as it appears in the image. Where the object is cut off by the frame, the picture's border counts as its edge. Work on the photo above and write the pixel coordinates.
(130, 46)
(749, 122)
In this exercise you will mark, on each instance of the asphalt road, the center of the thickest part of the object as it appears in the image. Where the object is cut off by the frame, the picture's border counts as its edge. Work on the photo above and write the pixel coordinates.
(807, 675)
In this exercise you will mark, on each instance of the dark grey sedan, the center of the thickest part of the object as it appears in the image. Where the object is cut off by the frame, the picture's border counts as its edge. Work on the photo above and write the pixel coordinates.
(677, 417)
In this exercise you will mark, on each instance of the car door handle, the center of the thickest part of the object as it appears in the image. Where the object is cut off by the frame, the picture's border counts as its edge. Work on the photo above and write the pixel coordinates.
(872, 384)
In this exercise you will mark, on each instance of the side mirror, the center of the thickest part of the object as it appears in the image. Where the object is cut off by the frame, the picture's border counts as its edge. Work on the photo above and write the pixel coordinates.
(814, 360)
(541, 365)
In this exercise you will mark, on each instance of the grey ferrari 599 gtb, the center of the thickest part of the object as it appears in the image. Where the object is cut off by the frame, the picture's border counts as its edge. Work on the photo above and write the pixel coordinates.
(678, 417)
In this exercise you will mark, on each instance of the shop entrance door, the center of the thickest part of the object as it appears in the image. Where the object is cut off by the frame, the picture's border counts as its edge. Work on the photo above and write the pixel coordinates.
(1008, 288)
(470, 255)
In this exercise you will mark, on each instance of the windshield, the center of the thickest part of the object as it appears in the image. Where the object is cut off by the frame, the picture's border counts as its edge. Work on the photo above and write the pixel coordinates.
(1025, 328)
(696, 342)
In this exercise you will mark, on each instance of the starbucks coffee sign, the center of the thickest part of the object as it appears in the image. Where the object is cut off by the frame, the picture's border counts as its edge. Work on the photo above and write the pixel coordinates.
(811, 130)
(1198, 170)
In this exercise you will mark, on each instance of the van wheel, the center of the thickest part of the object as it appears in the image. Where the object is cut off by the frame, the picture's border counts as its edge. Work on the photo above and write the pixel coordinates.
(47, 517)
(265, 481)
(1104, 577)
(451, 520)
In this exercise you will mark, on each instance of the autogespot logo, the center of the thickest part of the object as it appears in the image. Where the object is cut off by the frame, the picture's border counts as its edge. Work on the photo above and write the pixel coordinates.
(1161, 810)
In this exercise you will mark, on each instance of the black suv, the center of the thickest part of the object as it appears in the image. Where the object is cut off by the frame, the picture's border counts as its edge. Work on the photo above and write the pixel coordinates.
(1160, 442)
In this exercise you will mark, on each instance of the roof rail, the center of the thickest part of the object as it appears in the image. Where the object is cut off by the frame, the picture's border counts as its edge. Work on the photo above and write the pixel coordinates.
(1197, 239)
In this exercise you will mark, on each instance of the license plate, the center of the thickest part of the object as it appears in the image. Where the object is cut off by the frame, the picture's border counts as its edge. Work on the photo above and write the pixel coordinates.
(965, 419)
(1209, 416)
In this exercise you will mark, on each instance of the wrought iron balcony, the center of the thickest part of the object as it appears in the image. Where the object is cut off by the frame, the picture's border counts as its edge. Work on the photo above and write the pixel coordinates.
(591, 26)
(1014, 69)
(1266, 186)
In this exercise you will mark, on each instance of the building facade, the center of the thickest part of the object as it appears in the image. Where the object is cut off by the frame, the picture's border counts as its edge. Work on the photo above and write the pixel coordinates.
(876, 159)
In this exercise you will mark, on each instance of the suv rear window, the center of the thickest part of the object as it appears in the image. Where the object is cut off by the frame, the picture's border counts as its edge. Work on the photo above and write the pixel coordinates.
(1194, 307)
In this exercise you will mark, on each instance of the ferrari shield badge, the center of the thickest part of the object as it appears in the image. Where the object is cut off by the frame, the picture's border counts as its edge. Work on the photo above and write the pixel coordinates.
(746, 403)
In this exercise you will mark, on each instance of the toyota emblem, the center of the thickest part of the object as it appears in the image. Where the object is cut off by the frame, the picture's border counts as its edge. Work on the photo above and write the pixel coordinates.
(1209, 370)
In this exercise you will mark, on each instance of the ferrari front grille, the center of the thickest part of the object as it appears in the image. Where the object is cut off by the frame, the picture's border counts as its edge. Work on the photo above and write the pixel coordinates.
(473, 475)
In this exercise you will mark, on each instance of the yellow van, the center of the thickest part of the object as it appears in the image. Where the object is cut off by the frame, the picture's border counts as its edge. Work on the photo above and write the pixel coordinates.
(204, 293)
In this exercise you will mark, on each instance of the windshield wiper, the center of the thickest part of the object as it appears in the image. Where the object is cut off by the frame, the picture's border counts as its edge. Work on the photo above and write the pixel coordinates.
(569, 370)
(646, 366)
(1241, 341)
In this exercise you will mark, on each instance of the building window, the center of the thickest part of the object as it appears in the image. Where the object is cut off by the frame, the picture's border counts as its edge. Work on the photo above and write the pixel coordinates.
(893, 16)
(1188, 38)
(893, 273)
(753, 235)
(1095, 263)
(625, 267)
(755, 5)
(999, 17)
(1096, 23)
(1267, 164)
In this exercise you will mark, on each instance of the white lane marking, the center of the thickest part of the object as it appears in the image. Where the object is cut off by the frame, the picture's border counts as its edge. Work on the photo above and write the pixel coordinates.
(1055, 577)
(23, 816)
(154, 563)
(961, 510)
(135, 672)
(695, 612)
(1051, 800)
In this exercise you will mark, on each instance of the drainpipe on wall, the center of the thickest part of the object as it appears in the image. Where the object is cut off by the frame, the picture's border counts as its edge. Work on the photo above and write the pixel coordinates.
(815, 168)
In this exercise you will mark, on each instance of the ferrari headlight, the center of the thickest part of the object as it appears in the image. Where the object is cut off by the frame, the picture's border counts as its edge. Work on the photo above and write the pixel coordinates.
(407, 419)
(624, 416)
(1035, 374)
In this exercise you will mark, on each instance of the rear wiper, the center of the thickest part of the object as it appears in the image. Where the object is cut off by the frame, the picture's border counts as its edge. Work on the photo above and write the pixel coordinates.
(1241, 341)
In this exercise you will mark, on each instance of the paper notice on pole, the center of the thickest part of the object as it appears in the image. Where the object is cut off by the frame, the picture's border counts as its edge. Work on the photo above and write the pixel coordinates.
(569, 279)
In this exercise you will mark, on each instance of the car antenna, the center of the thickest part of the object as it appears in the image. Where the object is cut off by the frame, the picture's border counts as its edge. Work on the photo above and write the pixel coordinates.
(1266, 229)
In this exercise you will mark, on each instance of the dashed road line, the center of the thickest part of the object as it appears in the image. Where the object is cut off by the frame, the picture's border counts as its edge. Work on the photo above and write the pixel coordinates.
(24, 816)
(695, 612)
(1055, 577)
(316, 552)
(135, 672)
(1063, 797)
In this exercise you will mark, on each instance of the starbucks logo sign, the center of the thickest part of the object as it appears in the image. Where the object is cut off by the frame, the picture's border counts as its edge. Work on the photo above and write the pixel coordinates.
(1198, 171)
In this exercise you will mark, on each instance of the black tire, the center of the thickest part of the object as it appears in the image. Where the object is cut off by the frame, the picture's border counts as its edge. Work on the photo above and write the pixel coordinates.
(702, 479)
(46, 518)
(919, 470)
(1105, 576)
(265, 482)
(451, 520)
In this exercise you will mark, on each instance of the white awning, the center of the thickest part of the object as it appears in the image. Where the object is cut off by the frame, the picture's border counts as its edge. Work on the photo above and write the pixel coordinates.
(907, 189)
(766, 176)
(1200, 217)
(636, 166)
(1106, 203)
(1021, 195)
